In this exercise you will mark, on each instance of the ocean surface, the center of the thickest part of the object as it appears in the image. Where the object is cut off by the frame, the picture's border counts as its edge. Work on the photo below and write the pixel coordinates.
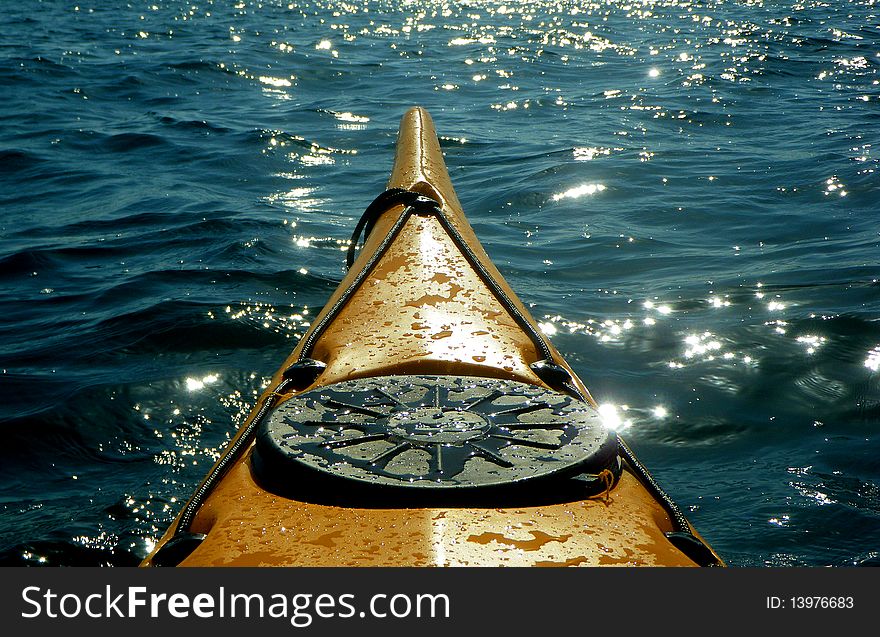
(685, 193)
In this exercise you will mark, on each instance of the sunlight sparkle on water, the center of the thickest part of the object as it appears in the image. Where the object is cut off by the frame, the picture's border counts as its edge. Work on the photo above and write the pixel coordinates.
(298, 199)
(278, 82)
(351, 117)
(589, 153)
(662, 309)
(195, 384)
(287, 321)
(833, 185)
(547, 328)
(700, 344)
(873, 360)
(812, 342)
(780, 521)
(612, 418)
(579, 191)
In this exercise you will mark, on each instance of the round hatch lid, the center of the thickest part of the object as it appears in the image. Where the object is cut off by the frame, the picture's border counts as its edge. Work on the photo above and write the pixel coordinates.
(432, 432)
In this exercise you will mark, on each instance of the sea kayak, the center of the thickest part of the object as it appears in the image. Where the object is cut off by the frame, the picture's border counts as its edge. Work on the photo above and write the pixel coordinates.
(425, 420)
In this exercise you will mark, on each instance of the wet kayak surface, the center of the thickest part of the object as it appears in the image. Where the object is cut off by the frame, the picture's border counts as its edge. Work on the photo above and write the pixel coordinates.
(682, 194)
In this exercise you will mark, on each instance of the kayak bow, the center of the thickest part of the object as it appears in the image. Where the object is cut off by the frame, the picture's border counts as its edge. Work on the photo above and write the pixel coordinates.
(424, 419)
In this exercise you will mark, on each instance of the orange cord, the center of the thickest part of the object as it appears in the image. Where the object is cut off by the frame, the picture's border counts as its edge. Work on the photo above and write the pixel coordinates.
(608, 478)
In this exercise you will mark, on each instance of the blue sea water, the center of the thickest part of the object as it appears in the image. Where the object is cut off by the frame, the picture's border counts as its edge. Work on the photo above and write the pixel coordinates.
(684, 192)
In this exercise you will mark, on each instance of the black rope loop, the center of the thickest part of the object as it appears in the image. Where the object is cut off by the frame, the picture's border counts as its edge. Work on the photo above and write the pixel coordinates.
(381, 204)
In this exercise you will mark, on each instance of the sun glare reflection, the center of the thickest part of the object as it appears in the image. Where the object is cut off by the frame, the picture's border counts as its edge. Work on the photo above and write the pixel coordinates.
(872, 362)
(278, 82)
(811, 342)
(612, 418)
(548, 328)
(195, 384)
(699, 344)
(288, 322)
(590, 153)
(579, 191)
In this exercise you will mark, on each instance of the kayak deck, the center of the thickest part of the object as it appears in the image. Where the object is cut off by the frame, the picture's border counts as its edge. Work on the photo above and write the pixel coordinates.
(266, 530)
(428, 302)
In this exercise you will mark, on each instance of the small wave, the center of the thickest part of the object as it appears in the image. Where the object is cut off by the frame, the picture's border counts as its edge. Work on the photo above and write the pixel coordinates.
(252, 251)
(24, 263)
(705, 430)
(126, 142)
(27, 262)
(193, 125)
(177, 328)
(18, 161)
(41, 64)
(197, 65)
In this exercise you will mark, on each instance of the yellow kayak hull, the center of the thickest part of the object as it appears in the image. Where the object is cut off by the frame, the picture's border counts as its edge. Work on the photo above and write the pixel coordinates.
(423, 309)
